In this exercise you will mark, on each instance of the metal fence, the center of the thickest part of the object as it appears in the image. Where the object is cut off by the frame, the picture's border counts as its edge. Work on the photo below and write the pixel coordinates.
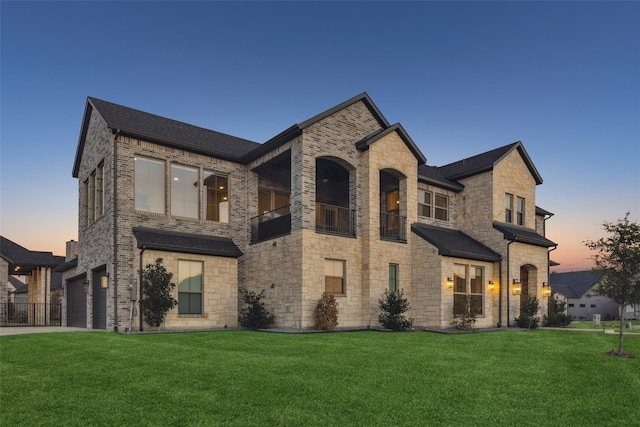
(30, 314)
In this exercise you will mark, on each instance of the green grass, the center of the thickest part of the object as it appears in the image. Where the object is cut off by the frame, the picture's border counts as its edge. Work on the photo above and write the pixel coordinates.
(608, 324)
(244, 378)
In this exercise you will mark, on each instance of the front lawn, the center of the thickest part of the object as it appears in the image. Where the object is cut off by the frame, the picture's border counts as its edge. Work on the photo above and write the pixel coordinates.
(245, 378)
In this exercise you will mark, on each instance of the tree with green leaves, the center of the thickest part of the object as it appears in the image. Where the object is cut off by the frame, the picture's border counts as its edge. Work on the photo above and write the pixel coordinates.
(393, 305)
(617, 266)
(157, 290)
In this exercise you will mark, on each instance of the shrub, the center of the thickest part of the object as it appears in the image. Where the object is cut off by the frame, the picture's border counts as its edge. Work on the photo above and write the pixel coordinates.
(157, 288)
(528, 311)
(326, 313)
(393, 305)
(556, 315)
(464, 313)
(254, 314)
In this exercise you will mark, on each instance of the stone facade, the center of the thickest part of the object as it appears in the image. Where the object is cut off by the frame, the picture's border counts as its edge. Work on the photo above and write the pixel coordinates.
(290, 267)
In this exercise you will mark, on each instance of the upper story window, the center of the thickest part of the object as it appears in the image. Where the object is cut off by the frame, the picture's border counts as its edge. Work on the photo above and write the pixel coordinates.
(217, 195)
(425, 204)
(442, 207)
(508, 207)
(270, 200)
(93, 197)
(520, 211)
(430, 206)
(149, 185)
(184, 191)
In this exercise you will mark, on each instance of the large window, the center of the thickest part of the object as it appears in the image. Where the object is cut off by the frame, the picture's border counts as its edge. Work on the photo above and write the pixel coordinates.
(189, 287)
(442, 207)
(270, 200)
(184, 191)
(393, 277)
(508, 207)
(217, 193)
(149, 185)
(334, 276)
(424, 203)
(93, 196)
(468, 280)
(520, 211)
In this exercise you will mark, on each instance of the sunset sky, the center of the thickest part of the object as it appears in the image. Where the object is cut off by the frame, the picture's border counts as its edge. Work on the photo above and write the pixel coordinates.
(461, 77)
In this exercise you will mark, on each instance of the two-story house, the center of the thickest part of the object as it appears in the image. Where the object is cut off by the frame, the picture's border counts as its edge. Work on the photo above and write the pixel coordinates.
(341, 203)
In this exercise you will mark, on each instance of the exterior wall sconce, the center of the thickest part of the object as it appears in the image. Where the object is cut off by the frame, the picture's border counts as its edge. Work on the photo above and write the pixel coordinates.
(516, 289)
(546, 289)
(449, 282)
(104, 281)
(85, 286)
(492, 286)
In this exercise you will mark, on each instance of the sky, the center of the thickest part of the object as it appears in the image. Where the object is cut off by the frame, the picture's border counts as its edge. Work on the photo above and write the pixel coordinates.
(461, 77)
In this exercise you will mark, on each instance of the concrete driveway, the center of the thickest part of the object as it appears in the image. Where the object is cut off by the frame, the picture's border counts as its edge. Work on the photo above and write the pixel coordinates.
(20, 330)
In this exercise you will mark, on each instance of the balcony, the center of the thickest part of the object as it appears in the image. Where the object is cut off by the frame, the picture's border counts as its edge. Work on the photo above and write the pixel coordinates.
(337, 220)
(271, 224)
(393, 227)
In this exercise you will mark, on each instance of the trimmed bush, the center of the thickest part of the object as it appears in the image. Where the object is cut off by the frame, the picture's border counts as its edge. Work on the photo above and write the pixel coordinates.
(528, 312)
(556, 315)
(464, 313)
(393, 305)
(156, 298)
(326, 313)
(254, 314)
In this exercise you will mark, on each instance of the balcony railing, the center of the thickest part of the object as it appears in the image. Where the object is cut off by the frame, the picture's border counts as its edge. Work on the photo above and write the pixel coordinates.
(30, 314)
(271, 224)
(393, 227)
(335, 219)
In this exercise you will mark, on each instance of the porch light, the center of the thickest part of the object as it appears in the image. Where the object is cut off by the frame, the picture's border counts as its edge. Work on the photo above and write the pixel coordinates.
(491, 285)
(546, 289)
(449, 282)
(516, 288)
(104, 281)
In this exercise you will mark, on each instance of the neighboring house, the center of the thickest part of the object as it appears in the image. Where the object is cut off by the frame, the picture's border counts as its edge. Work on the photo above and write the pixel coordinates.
(575, 289)
(342, 203)
(17, 291)
(44, 288)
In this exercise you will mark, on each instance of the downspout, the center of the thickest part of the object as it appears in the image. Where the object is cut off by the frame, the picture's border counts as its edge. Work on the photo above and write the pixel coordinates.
(140, 288)
(549, 274)
(500, 295)
(115, 230)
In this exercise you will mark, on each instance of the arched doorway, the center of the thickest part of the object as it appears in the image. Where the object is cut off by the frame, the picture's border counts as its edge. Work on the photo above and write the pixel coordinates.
(528, 283)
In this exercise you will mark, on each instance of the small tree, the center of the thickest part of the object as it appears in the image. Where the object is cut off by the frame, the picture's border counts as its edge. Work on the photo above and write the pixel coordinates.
(157, 288)
(617, 267)
(326, 313)
(555, 314)
(464, 313)
(254, 314)
(393, 305)
(528, 313)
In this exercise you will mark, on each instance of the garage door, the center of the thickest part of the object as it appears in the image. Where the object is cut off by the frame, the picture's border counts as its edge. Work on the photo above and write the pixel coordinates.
(76, 303)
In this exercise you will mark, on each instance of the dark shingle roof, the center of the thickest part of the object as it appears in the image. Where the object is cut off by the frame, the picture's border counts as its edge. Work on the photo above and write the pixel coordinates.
(18, 285)
(17, 255)
(516, 233)
(165, 131)
(433, 175)
(172, 241)
(543, 212)
(573, 284)
(486, 161)
(455, 243)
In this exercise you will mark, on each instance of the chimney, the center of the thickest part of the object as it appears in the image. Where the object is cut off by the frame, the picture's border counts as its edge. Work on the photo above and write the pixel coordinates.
(72, 250)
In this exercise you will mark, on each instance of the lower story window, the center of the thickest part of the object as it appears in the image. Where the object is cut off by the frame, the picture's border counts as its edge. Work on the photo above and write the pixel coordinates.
(468, 280)
(334, 276)
(189, 287)
(393, 277)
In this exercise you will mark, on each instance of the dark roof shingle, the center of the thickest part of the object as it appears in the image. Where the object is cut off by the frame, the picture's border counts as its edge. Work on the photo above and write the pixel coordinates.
(516, 233)
(454, 243)
(173, 241)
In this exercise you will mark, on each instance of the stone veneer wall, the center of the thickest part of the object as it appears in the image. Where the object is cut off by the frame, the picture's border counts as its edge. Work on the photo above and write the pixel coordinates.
(220, 291)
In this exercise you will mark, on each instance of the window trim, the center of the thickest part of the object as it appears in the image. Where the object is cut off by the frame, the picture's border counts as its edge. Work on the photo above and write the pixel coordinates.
(467, 284)
(508, 208)
(202, 287)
